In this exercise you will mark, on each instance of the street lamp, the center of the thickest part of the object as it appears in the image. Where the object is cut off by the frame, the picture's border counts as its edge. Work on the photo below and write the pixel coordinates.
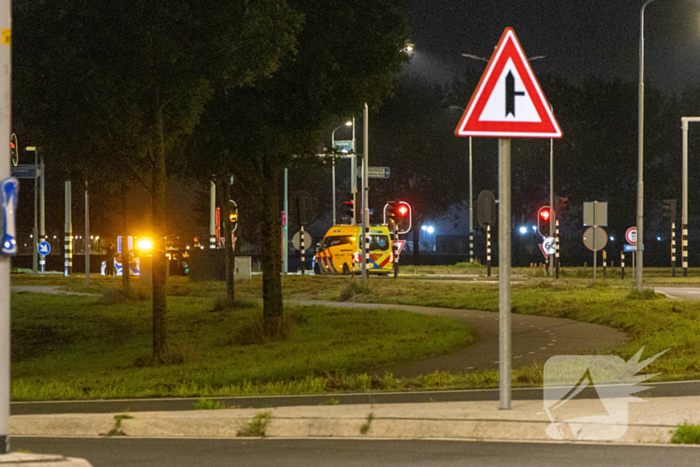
(471, 196)
(640, 175)
(348, 123)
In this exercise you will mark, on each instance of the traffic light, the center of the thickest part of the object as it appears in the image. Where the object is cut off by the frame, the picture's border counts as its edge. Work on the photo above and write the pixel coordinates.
(390, 213)
(349, 208)
(561, 204)
(403, 216)
(14, 148)
(670, 209)
(544, 216)
(233, 214)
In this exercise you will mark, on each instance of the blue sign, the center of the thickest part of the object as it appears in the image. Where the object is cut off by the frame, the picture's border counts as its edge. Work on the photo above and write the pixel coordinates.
(345, 146)
(632, 247)
(44, 248)
(25, 171)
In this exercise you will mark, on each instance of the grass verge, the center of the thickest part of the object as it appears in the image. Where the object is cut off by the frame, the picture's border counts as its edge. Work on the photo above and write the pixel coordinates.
(78, 347)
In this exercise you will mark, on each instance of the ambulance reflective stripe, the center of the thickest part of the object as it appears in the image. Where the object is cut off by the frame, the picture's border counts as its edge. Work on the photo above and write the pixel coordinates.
(387, 260)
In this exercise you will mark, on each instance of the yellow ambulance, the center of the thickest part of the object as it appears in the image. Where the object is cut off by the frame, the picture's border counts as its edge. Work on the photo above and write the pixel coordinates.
(340, 252)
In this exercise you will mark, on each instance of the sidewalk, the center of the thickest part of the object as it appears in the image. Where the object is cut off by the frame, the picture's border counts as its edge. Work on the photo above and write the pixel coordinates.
(649, 422)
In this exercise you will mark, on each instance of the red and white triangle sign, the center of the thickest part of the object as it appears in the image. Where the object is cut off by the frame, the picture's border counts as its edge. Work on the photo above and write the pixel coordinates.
(509, 102)
(399, 246)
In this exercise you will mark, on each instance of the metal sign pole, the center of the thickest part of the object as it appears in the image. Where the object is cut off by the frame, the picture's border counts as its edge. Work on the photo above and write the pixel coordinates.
(35, 232)
(504, 252)
(595, 235)
(285, 228)
(5, 107)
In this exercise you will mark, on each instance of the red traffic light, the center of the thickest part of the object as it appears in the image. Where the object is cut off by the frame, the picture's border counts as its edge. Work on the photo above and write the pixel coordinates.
(403, 210)
(544, 214)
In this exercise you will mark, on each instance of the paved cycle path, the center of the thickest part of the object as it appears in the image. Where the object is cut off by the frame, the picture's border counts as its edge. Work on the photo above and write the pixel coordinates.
(534, 339)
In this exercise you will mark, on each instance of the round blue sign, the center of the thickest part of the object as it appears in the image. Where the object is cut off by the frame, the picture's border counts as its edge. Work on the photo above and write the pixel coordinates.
(44, 248)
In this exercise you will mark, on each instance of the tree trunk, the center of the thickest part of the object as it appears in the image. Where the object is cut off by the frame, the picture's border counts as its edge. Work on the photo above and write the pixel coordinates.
(222, 191)
(125, 233)
(272, 248)
(159, 261)
(416, 245)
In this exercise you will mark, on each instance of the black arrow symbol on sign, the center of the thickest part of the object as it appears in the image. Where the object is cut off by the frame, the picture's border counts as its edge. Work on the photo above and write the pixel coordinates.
(510, 94)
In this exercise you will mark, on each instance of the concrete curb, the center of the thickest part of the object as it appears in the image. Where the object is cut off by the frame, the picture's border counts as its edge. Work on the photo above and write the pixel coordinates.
(41, 460)
(648, 423)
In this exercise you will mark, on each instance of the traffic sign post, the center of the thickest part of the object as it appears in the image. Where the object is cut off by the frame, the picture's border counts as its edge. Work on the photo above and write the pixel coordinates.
(595, 214)
(508, 103)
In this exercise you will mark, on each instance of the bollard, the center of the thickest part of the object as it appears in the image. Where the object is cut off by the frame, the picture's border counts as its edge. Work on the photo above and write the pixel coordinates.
(488, 250)
(622, 264)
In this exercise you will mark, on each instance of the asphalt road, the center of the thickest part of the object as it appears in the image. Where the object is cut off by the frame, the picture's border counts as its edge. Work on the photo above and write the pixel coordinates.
(687, 293)
(117, 452)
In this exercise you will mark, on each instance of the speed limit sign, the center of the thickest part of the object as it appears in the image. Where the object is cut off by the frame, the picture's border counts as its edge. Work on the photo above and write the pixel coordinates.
(631, 235)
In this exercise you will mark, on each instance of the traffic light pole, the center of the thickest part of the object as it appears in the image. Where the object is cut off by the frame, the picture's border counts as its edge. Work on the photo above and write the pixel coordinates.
(551, 200)
(504, 258)
(212, 215)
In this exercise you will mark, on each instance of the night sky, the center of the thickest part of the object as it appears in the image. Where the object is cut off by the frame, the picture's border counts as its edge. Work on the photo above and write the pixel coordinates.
(580, 39)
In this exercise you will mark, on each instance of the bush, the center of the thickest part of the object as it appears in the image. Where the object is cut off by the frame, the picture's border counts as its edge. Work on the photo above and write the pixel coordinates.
(686, 434)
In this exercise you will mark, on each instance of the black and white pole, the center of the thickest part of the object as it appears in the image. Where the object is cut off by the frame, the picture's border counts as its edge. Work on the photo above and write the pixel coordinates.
(303, 251)
(5, 125)
(622, 264)
(365, 197)
(395, 250)
(488, 250)
(42, 212)
(212, 216)
(471, 207)
(68, 236)
(684, 247)
(556, 248)
(87, 235)
(673, 249)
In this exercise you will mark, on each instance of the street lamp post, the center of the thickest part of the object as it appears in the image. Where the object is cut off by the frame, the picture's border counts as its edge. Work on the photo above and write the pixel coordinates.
(471, 195)
(348, 123)
(640, 175)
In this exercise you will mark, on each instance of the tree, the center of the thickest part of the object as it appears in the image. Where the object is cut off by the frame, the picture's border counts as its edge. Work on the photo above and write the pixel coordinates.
(347, 54)
(142, 71)
(414, 136)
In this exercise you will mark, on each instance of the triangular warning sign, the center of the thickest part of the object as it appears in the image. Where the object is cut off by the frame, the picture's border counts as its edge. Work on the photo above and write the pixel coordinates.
(544, 252)
(399, 246)
(509, 102)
